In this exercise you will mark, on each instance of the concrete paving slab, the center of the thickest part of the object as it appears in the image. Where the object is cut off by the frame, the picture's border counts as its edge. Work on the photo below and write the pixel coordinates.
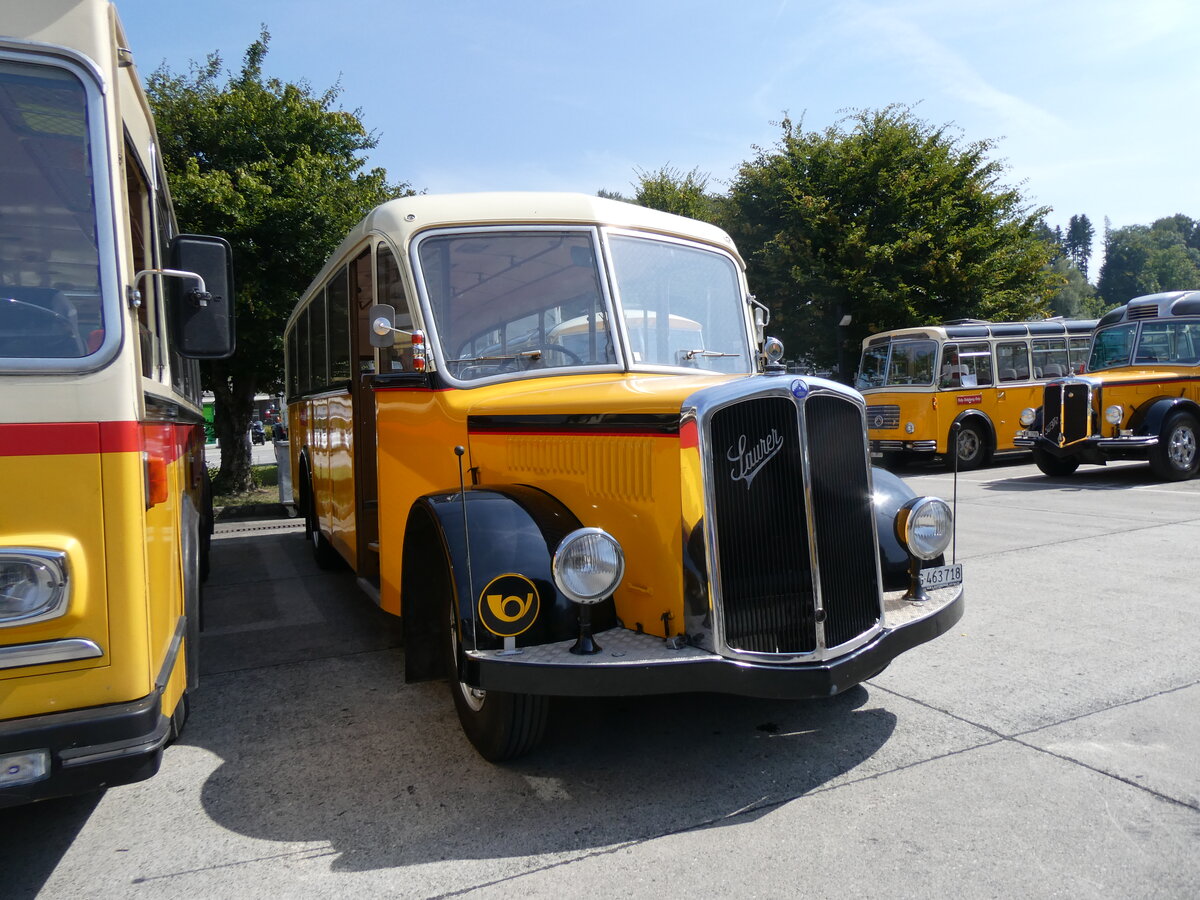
(1151, 743)
(1061, 631)
(996, 821)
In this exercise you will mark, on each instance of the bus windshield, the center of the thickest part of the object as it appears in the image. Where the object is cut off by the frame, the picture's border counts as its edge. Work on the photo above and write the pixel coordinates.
(902, 362)
(682, 305)
(513, 300)
(49, 261)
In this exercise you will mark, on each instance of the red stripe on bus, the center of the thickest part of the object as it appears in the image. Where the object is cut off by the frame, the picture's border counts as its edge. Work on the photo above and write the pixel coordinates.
(75, 438)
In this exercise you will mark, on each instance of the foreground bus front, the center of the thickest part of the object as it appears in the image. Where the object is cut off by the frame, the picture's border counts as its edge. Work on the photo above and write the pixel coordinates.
(648, 506)
(101, 447)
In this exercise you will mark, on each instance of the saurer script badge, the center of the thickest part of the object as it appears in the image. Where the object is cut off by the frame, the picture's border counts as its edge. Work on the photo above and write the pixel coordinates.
(509, 605)
(748, 459)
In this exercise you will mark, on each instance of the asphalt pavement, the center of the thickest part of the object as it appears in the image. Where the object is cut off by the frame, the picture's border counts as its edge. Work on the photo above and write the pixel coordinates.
(1045, 747)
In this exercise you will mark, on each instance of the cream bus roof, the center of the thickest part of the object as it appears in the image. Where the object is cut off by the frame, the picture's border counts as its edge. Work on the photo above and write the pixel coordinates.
(82, 25)
(405, 217)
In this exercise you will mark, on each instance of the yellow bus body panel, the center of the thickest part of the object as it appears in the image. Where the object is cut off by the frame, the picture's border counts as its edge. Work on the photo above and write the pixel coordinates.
(622, 483)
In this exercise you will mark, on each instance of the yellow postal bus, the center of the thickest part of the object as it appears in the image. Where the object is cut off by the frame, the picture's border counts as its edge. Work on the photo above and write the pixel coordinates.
(546, 430)
(103, 311)
(1137, 398)
(922, 382)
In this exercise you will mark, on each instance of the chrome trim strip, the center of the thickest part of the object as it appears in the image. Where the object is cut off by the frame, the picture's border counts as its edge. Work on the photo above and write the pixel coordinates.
(48, 652)
(1119, 442)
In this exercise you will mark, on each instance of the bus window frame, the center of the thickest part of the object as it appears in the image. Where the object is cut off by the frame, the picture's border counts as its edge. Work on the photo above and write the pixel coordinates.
(104, 205)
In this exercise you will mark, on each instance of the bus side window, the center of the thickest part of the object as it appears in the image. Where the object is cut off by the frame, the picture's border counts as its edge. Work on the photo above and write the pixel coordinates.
(397, 358)
(362, 298)
(1079, 347)
(1012, 361)
(140, 236)
(1050, 358)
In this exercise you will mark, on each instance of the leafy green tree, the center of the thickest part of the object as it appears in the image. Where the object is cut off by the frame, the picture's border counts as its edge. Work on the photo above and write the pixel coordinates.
(279, 172)
(1074, 298)
(669, 190)
(1078, 242)
(1141, 259)
(888, 220)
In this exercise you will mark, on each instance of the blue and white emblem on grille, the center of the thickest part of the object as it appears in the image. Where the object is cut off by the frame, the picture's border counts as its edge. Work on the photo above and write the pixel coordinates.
(799, 389)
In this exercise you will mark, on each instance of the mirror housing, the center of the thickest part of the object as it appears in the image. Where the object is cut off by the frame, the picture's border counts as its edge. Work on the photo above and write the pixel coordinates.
(202, 323)
(383, 325)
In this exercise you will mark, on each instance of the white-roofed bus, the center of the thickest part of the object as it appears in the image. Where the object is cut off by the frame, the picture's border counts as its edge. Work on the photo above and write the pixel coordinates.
(547, 431)
(961, 385)
(104, 310)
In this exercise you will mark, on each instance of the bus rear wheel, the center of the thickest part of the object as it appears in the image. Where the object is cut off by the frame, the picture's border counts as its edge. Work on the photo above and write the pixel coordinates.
(1175, 457)
(1054, 466)
(323, 553)
(500, 725)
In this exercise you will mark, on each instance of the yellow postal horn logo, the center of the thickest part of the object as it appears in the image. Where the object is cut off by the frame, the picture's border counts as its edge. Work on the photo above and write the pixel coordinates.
(509, 605)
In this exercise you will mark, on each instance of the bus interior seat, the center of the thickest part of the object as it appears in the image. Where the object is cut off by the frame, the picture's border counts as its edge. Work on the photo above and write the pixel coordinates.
(1008, 374)
(1054, 370)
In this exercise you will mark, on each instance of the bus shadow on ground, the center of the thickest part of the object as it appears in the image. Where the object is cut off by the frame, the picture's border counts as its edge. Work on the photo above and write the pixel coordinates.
(385, 778)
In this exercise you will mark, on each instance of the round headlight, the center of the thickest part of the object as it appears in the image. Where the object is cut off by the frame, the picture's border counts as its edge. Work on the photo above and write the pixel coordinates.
(1028, 414)
(924, 525)
(588, 565)
(1113, 414)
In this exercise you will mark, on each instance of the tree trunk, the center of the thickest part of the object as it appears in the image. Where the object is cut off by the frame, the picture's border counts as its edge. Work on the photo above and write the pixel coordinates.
(233, 408)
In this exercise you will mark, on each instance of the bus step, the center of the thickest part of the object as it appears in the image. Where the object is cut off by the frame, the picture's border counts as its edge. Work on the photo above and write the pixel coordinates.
(373, 546)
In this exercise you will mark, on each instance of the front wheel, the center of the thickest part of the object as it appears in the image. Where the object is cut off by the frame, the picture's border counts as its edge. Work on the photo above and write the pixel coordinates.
(501, 726)
(1175, 457)
(1054, 466)
(971, 446)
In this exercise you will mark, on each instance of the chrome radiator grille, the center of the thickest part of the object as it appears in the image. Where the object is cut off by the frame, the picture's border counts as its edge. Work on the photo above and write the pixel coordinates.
(884, 416)
(768, 582)
(1067, 412)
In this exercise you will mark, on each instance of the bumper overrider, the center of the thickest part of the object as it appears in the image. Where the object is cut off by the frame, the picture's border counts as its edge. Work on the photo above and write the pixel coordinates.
(82, 750)
(632, 663)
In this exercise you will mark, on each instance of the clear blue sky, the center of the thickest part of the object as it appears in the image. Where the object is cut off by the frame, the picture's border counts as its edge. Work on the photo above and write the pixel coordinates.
(1094, 103)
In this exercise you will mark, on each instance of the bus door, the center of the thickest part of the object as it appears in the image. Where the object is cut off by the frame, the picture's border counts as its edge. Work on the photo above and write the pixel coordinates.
(965, 377)
(366, 484)
(1016, 388)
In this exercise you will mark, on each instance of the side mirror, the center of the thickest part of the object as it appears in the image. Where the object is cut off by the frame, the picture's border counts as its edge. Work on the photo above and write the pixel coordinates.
(762, 318)
(383, 325)
(201, 320)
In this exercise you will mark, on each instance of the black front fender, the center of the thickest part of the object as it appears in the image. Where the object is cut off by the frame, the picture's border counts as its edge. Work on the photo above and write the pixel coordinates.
(505, 542)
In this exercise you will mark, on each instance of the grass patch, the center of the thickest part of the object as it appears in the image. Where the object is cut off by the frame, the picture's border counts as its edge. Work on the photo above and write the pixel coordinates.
(264, 482)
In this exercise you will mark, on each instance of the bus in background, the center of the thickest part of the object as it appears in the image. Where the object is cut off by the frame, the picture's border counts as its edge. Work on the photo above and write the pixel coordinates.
(920, 382)
(1137, 398)
(547, 431)
(104, 312)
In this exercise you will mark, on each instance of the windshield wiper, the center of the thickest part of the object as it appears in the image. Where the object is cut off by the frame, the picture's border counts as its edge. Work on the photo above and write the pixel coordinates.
(692, 354)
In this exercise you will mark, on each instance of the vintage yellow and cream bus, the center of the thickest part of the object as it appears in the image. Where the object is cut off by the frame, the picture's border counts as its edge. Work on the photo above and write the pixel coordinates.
(962, 384)
(541, 429)
(1138, 397)
(104, 310)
